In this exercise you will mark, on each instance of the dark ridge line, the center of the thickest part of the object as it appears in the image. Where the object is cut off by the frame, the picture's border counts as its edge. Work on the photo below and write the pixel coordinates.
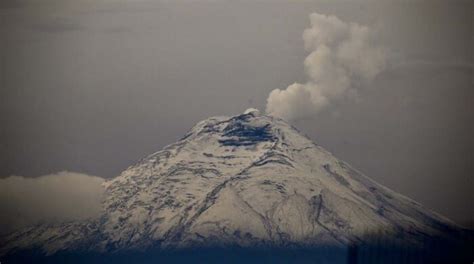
(320, 206)
(211, 197)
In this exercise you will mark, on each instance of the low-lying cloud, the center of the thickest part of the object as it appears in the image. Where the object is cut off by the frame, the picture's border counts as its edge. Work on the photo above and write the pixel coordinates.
(64, 196)
(343, 58)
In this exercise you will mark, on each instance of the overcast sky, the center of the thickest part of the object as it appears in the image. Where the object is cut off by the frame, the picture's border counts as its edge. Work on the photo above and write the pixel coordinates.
(93, 86)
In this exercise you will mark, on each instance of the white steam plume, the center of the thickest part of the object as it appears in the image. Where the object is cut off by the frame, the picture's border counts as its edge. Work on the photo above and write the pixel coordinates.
(64, 196)
(343, 57)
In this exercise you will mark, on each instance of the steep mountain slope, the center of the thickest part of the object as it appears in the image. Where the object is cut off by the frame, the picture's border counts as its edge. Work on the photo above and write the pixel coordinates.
(249, 181)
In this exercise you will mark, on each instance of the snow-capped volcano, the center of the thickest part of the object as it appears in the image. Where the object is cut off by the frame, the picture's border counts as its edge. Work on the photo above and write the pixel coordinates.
(249, 180)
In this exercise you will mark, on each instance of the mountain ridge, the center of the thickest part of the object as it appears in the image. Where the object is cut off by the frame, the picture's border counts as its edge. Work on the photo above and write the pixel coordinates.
(248, 181)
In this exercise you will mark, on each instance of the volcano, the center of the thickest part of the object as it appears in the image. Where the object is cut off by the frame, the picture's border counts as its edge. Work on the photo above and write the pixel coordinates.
(245, 182)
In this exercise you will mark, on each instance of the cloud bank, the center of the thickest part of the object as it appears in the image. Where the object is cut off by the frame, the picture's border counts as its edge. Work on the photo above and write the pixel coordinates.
(343, 58)
(54, 198)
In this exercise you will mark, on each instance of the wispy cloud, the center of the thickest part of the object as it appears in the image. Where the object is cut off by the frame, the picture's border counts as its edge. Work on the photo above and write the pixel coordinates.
(63, 196)
(432, 64)
(57, 26)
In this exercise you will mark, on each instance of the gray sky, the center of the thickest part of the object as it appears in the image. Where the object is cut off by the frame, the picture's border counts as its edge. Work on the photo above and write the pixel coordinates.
(93, 86)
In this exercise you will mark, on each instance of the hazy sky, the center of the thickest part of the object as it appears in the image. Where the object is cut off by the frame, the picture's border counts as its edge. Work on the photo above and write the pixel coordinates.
(93, 86)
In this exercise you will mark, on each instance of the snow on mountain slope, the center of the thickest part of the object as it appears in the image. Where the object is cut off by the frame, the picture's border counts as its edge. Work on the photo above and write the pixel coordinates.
(248, 180)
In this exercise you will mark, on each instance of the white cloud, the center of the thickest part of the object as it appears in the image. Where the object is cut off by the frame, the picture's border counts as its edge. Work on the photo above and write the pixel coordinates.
(342, 59)
(54, 198)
